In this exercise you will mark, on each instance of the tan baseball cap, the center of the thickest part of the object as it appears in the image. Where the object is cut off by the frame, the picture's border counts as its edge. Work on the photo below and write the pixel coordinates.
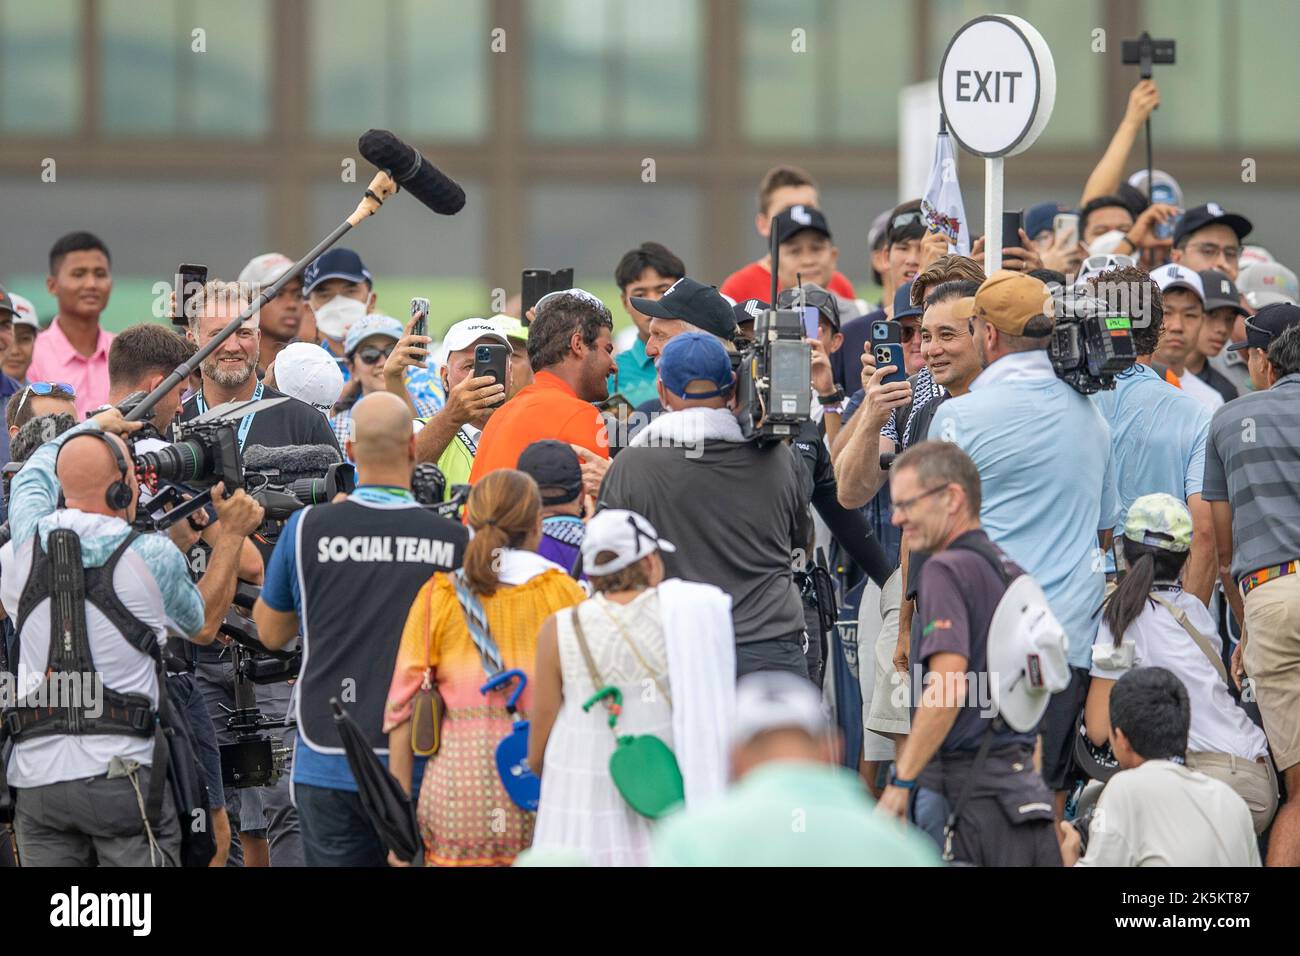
(1007, 300)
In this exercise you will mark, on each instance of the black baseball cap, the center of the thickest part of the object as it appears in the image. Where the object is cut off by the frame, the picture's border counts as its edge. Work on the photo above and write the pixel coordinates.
(695, 304)
(788, 223)
(1221, 292)
(1198, 217)
(6, 303)
(749, 310)
(1267, 324)
(821, 299)
(553, 464)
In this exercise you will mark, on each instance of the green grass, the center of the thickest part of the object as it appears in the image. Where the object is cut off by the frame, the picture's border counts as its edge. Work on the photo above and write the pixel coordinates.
(451, 300)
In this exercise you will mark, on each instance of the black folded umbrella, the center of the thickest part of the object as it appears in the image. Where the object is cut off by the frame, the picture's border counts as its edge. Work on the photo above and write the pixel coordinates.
(390, 810)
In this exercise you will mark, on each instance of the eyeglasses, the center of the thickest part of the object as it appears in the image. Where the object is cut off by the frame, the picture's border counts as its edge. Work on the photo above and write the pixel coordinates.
(903, 220)
(45, 389)
(1212, 249)
(1252, 327)
(372, 355)
(908, 332)
(902, 507)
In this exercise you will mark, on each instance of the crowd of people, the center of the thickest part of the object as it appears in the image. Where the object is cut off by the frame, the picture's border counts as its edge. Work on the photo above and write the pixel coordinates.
(622, 635)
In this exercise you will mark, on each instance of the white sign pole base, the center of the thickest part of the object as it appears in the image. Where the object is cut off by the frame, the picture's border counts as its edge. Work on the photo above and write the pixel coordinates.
(993, 215)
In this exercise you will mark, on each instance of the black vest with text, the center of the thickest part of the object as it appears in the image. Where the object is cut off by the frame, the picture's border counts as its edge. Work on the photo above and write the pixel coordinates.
(360, 566)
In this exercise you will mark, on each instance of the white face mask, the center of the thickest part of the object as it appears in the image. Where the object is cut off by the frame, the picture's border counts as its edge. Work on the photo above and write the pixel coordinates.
(335, 317)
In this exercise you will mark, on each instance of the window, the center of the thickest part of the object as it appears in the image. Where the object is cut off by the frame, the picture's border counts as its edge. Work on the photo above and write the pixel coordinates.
(186, 67)
(40, 66)
(617, 69)
(1193, 103)
(1266, 109)
(837, 80)
(416, 66)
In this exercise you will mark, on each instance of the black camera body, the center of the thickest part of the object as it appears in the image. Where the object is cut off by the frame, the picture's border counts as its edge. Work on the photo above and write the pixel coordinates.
(203, 454)
(774, 380)
(1145, 52)
(1091, 343)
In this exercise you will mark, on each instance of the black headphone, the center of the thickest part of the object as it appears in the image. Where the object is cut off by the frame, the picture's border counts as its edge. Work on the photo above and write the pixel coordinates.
(118, 495)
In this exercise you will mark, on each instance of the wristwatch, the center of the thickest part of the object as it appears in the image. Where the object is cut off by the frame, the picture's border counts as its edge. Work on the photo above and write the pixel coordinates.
(834, 398)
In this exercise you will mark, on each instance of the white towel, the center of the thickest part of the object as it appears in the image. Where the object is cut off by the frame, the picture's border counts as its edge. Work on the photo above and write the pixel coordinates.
(701, 647)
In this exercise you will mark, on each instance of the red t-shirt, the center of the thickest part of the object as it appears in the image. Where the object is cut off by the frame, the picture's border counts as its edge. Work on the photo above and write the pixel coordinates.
(755, 282)
(547, 408)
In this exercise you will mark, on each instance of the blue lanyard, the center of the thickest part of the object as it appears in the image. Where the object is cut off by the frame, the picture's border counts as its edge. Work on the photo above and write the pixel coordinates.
(245, 423)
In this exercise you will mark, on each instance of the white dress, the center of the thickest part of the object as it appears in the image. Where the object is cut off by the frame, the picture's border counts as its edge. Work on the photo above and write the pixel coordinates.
(581, 812)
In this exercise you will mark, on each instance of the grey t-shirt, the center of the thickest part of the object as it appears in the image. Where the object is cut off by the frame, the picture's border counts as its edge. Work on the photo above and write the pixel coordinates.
(735, 512)
(1252, 461)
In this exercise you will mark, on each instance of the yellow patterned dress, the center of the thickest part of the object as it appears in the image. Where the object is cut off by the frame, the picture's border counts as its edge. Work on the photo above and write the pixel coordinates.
(465, 817)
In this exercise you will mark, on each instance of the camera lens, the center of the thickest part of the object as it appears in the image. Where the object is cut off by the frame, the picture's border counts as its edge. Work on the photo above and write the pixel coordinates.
(185, 461)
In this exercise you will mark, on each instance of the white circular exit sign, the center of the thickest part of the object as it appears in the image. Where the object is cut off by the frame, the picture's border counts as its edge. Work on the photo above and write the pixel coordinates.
(997, 85)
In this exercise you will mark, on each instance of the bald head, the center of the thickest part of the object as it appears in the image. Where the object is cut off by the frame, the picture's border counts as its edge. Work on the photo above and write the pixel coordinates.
(86, 468)
(381, 432)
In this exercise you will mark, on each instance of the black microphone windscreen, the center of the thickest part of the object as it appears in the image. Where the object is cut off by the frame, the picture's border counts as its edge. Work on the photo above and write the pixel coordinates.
(413, 172)
(291, 461)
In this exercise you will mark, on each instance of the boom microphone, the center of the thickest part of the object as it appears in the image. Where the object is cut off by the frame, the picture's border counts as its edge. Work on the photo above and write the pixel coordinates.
(291, 461)
(412, 171)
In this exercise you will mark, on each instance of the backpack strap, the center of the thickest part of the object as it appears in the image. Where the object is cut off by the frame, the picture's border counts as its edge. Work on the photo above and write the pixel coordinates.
(476, 621)
(982, 546)
(1197, 637)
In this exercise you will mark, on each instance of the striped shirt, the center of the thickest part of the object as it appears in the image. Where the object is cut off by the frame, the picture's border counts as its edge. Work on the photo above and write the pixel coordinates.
(1252, 461)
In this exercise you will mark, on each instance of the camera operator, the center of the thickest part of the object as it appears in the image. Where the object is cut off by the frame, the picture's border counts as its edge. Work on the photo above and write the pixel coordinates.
(82, 769)
(1044, 457)
(230, 374)
(335, 564)
(736, 509)
(1158, 433)
(138, 361)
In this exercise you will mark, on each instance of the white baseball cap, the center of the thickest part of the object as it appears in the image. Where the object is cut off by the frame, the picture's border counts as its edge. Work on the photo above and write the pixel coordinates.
(307, 372)
(24, 311)
(777, 700)
(264, 269)
(468, 331)
(1174, 275)
(628, 535)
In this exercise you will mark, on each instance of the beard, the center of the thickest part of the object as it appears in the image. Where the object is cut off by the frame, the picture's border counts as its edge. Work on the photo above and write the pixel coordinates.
(228, 376)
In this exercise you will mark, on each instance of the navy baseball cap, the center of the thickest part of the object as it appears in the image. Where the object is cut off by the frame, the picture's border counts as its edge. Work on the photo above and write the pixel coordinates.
(335, 264)
(695, 357)
(553, 464)
(695, 304)
(1221, 292)
(903, 307)
(1038, 218)
(1198, 217)
(749, 310)
(1267, 324)
(788, 223)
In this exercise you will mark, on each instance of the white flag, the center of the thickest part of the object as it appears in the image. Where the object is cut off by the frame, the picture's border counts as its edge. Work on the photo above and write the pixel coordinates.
(942, 206)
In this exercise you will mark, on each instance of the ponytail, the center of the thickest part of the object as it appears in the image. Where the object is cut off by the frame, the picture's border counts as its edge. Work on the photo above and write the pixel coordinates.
(1148, 564)
(1125, 605)
(502, 509)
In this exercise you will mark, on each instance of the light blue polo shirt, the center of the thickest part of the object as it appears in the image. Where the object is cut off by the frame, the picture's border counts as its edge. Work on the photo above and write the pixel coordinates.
(636, 374)
(1043, 454)
(1158, 436)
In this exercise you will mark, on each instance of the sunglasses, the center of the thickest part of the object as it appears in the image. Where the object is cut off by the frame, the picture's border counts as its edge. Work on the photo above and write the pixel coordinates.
(45, 389)
(372, 355)
(903, 220)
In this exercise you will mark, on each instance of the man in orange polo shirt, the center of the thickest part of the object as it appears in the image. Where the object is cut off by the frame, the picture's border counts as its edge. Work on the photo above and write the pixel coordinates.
(571, 350)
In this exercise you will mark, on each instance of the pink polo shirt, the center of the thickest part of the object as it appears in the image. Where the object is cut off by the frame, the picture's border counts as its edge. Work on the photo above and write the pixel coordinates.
(55, 360)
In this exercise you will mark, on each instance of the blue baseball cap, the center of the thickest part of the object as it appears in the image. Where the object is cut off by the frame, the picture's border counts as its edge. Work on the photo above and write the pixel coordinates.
(369, 325)
(1039, 217)
(903, 307)
(695, 356)
(335, 264)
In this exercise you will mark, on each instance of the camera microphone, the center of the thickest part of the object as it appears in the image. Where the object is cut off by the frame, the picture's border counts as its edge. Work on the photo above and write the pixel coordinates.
(291, 461)
(412, 171)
